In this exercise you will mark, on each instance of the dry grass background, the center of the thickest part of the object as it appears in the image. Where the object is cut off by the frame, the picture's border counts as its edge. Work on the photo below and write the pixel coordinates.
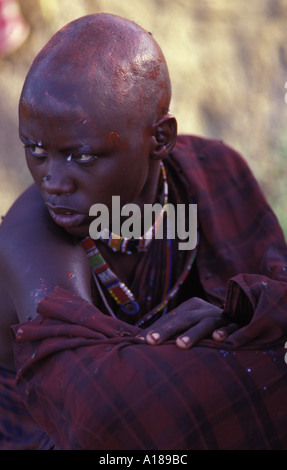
(228, 65)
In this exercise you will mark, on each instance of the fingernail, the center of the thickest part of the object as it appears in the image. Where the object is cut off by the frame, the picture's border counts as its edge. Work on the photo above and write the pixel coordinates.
(185, 340)
(154, 336)
(221, 334)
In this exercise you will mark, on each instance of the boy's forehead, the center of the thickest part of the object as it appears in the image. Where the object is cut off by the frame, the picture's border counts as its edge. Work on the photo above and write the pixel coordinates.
(63, 125)
(68, 105)
(71, 100)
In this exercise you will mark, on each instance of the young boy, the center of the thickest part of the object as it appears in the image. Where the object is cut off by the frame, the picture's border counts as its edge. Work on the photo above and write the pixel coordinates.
(94, 121)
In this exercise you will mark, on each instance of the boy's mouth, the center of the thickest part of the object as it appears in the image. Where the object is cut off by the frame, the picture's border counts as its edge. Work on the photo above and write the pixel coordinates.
(65, 217)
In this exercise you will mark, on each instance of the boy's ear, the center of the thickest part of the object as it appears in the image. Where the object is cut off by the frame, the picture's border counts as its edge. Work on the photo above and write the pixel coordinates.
(164, 137)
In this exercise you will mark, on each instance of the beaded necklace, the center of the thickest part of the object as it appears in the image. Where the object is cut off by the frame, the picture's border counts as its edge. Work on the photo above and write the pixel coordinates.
(100, 269)
(117, 289)
(133, 245)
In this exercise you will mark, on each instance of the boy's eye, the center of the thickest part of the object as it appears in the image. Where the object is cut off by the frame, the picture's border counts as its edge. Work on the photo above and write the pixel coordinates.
(84, 158)
(37, 151)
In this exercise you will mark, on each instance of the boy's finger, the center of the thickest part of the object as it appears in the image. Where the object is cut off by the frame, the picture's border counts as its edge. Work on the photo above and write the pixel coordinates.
(222, 333)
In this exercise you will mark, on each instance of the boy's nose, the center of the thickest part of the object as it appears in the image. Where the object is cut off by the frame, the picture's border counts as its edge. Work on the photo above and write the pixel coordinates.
(58, 181)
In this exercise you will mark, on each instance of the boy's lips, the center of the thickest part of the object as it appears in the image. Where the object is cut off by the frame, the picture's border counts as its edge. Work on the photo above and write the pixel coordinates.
(65, 216)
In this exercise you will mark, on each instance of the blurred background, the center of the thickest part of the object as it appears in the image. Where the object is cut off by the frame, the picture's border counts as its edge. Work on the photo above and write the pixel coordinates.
(228, 66)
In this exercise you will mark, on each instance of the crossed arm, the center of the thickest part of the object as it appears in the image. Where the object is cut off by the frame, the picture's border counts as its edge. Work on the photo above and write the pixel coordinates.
(49, 258)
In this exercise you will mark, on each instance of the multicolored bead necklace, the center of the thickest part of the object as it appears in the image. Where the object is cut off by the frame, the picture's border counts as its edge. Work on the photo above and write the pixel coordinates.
(117, 289)
(100, 269)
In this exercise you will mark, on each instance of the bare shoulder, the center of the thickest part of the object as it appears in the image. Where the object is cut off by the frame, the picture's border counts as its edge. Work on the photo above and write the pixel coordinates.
(36, 255)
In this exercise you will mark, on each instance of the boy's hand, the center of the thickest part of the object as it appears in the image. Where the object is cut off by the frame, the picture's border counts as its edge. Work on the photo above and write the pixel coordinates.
(191, 322)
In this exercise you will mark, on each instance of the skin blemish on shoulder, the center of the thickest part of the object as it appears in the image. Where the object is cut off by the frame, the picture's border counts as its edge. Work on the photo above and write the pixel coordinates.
(70, 275)
(37, 295)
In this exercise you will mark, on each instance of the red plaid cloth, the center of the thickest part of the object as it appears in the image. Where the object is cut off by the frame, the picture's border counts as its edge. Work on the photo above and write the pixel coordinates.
(18, 431)
(91, 384)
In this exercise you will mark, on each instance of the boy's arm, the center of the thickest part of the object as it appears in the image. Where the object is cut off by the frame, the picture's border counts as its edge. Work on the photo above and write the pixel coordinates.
(91, 384)
(28, 240)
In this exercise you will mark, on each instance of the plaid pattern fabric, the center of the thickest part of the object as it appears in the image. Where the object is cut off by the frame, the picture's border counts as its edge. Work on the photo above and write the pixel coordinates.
(242, 256)
(91, 384)
(18, 431)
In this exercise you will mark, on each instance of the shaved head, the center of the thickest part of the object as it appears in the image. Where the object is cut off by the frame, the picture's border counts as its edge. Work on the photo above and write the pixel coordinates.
(104, 59)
